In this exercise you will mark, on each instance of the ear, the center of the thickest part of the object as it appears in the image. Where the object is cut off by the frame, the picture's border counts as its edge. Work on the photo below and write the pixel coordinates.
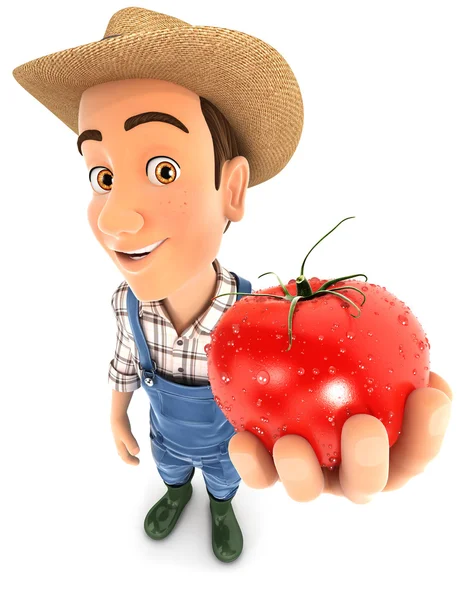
(234, 182)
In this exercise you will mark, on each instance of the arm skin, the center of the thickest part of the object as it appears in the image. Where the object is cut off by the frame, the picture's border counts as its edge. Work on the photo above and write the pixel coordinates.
(125, 442)
(368, 464)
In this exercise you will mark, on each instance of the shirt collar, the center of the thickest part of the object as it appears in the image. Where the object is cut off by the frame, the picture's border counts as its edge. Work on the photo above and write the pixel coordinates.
(205, 323)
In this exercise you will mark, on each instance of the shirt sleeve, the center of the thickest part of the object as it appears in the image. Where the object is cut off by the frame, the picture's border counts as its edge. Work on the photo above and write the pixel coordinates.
(122, 375)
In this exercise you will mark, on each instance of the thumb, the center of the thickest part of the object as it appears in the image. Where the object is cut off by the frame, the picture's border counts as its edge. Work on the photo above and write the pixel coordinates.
(130, 442)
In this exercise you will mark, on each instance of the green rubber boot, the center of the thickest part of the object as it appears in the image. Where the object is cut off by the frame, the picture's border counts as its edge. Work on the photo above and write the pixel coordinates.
(163, 516)
(227, 539)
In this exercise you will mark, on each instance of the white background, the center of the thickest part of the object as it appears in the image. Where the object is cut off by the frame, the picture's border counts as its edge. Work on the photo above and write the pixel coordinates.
(387, 138)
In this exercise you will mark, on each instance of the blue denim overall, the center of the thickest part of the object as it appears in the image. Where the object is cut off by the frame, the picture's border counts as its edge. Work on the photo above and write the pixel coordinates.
(188, 429)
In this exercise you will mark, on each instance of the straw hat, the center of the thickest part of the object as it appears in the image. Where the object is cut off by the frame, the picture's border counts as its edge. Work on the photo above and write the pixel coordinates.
(247, 79)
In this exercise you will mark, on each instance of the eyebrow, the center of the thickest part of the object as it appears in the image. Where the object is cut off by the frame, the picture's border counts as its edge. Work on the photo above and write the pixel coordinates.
(88, 134)
(146, 117)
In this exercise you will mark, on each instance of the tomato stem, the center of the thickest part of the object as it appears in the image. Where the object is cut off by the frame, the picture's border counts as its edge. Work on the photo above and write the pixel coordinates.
(319, 241)
(303, 287)
(304, 291)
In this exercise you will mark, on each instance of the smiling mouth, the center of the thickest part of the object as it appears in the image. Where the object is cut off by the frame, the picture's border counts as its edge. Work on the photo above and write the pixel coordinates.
(140, 253)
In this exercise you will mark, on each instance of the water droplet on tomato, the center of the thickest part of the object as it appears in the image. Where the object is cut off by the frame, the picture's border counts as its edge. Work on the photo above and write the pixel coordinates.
(390, 370)
(388, 387)
(225, 378)
(264, 420)
(284, 427)
(235, 327)
(301, 371)
(259, 402)
(230, 343)
(333, 459)
(332, 370)
(402, 320)
(400, 349)
(330, 418)
(310, 390)
(417, 355)
(391, 414)
(316, 371)
(415, 371)
(321, 338)
(421, 346)
(369, 357)
(350, 335)
(365, 288)
(370, 390)
(370, 334)
(335, 325)
(244, 390)
(330, 445)
(263, 377)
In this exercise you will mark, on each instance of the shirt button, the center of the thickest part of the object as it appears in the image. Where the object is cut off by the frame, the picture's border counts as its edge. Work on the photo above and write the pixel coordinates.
(180, 342)
(180, 369)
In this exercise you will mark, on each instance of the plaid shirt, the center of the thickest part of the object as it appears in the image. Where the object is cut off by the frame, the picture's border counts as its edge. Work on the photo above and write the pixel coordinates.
(178, 358)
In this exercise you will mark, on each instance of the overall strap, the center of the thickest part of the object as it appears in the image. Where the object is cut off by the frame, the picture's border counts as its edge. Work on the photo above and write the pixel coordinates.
(244, 285)
(144, 356)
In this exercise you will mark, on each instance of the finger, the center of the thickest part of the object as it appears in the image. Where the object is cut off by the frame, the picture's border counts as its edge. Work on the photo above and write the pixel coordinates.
(252, 461)
(426, 416)
(298, 468)
(125, 455)
(130, 442)
(364, 458)
(435, 381)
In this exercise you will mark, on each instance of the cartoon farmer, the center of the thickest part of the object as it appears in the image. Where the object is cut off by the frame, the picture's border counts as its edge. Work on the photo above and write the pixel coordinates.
(175, 122)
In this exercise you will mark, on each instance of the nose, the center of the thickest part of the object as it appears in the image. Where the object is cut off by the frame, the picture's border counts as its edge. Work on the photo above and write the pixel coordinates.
(115, 219)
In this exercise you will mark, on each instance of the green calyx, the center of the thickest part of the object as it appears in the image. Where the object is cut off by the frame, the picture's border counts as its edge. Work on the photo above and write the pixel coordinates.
(304, 291)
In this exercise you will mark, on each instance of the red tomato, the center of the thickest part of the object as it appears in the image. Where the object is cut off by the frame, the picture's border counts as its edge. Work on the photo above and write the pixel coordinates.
(337, 366)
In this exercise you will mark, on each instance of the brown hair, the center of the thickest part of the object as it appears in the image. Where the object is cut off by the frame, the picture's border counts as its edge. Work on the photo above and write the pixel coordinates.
(225, 145)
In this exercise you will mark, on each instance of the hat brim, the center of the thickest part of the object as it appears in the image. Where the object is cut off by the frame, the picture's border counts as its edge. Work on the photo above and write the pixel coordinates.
(246, 78)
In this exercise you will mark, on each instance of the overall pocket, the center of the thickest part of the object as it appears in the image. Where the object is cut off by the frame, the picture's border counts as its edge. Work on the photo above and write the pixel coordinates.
(188, 410)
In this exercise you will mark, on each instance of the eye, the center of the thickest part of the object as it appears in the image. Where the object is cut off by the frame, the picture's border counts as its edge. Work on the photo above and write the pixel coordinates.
(162, 170)
(101, 179)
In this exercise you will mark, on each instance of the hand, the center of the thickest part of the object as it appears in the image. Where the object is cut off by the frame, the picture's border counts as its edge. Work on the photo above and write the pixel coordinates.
(368, 465)
(125, 442)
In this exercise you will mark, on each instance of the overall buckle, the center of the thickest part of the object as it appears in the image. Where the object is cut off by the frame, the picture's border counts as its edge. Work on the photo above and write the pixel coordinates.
(149, 375)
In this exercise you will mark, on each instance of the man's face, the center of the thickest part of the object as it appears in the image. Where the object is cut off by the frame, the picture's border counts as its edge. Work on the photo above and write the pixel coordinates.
(152, 183)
